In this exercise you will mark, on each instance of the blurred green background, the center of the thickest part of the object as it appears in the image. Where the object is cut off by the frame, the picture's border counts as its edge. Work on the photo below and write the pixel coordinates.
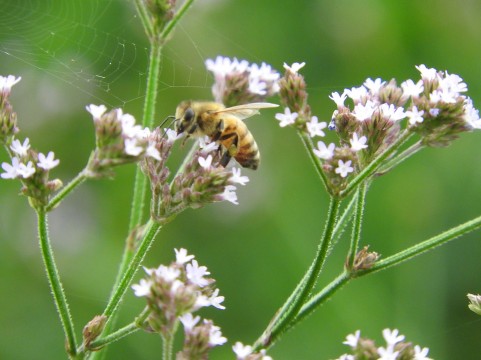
(73, 53)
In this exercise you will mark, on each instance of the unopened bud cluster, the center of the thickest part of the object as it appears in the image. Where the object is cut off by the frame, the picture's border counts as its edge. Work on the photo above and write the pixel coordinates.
(173, 294)
(238, 82)
(396, 348)
(202, 181)
(27, 165)
(160, 12)
(363, 260)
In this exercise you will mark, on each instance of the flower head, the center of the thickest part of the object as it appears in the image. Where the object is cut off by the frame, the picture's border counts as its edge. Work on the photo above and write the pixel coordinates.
(344, 168)
(47, 162)
(295, 67)
(287, 118)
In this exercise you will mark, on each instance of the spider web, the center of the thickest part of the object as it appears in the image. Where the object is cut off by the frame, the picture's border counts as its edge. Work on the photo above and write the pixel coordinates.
(94, 48)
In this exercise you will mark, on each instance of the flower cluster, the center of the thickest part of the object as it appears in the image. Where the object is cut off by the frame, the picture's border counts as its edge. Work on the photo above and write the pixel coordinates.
(27, 165)
(245, 352)
(200, 182)
(173, 294)
(118, 141)
(396, 348)
(433, 107)
(8, 118)
(238, 82)
(32, 168)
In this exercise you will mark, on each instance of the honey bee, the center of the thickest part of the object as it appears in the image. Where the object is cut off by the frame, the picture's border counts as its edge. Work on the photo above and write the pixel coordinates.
(223, 125)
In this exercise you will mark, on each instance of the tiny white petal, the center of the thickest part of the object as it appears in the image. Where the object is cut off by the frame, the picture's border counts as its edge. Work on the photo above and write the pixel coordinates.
(205, 162)
(182, 257)
(96, 110)
(47, 162)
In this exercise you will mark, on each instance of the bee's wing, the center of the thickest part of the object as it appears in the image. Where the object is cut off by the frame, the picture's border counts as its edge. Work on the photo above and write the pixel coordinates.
(245, 111)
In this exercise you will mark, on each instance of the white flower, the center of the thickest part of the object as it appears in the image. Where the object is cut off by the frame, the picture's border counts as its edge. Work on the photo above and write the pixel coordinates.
(189, 321)
(207, 146)
(96, 110)
(143, 288)
(257, 86)
(453, 83)
(201, 301)
(19, 148)
(412, 89)
(415, 116)
(356, 94)
(471, 114)
(315, 128)
(229, 194)
(353, 339)
(132, 148)
(338, 99)
(241, 350)
(295, 67)
(443, 95)
(387, 353)
(374, 85)
(287, 118)
(6, 82)
(264, 356)
(358, 143)
(167, 273)
(216, 300)
(323, 151)
(428, 74)
(344, 169)
(172, 135)
(47, 162)
(11, 171)
(421, 354)
(26, 170)
(364, 111)
(434, 112)
(392, 337)
(152, 151)
(196, 273)
(205, 162)
(181, 256)
(215, 336)
(237, 178)
(392, 112)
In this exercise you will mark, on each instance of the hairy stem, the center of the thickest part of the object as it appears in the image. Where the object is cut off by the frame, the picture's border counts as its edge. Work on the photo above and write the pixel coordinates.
(356, 229)
(294, 303)
(72, 185)
(55, 283)
(374, 165)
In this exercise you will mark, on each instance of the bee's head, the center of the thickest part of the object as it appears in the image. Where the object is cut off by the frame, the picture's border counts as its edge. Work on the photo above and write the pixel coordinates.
(184, 118)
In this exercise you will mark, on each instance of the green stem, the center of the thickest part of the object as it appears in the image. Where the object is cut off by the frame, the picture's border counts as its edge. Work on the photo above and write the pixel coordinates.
(150, 232)
(407, 254)
(321, 297)
(171, 25)
(343, 221)
(55, 283)
(144, 17)
(373, 165)
(307, 141)
(292, 306)
(356, 229)
(424, 246)
(122, 332)
(167, 347)
(401, 157)
(72, 185)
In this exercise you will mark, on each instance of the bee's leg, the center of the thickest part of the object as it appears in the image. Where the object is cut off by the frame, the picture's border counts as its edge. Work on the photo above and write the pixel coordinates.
(231, 150)
(225, 159)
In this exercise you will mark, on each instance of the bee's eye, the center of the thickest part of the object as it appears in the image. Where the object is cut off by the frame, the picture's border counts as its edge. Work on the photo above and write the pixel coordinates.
(189, 115)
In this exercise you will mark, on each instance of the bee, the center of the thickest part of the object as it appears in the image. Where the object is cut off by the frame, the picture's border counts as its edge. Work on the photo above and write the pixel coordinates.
(223, 125)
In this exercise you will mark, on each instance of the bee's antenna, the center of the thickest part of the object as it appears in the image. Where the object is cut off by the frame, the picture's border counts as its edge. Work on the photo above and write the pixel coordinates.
(168, 126)
(165, 120)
